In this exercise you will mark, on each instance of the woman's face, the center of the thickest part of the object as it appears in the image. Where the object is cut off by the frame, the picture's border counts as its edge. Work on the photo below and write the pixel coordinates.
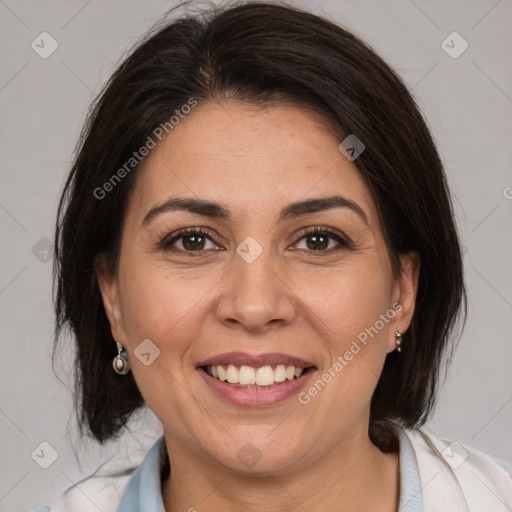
(257, 289)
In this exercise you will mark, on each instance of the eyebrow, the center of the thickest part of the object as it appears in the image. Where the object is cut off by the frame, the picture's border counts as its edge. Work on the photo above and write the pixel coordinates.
(216, 211)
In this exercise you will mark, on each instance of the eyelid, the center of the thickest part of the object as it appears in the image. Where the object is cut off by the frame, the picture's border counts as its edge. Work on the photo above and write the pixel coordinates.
(342, 239)
(176, 235)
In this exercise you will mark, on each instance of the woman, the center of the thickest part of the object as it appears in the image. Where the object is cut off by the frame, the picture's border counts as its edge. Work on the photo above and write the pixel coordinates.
(257, 241)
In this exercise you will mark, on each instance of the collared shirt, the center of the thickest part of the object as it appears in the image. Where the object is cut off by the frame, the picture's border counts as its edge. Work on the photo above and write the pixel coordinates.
(436, 475)
(143, 491)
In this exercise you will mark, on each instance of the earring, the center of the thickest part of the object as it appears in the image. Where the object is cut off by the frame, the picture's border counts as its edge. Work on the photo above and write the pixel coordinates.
(120, 363)
(398, 341)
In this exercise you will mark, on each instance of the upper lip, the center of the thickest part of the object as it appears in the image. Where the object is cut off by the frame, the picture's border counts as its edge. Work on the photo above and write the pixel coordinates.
(256, 361)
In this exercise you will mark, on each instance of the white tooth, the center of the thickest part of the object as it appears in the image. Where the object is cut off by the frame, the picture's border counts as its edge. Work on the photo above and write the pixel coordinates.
(280, 373)
(290, 372)
(247, 375)
(221, 372)
(232, 374)
(265, 376)
(298, 371)
(215, 372)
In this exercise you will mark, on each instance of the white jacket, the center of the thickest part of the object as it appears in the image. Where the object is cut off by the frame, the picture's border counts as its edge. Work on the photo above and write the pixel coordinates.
(457, 478)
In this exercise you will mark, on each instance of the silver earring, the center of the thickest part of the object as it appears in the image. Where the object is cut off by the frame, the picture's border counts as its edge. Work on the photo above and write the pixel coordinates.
(398, 341)
(120, 363)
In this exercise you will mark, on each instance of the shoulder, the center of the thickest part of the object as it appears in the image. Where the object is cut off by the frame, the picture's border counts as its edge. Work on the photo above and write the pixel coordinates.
(104, 491)
(456, 475)
(97, 493)
(105, 471)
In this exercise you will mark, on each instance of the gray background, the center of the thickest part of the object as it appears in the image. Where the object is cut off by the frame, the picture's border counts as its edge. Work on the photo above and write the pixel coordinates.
(468, 105)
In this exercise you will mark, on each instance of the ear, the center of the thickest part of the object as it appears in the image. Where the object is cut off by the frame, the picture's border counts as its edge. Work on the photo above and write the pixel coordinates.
(109, 289)
(404, 295)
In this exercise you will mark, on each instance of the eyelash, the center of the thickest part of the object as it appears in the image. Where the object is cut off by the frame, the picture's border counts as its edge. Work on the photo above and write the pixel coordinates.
(344, 243)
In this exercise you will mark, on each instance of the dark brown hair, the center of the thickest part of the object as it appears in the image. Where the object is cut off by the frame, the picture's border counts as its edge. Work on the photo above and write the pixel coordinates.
(259, 53)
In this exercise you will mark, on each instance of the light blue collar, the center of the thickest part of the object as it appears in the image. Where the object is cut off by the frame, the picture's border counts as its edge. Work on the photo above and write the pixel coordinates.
(410, 484)
(143, 491)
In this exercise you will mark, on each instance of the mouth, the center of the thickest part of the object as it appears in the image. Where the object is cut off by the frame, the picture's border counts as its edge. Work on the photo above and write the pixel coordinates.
(248, 377)
(248, 380)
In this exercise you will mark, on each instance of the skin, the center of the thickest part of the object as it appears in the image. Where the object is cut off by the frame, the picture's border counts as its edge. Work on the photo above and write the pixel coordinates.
(291, 299)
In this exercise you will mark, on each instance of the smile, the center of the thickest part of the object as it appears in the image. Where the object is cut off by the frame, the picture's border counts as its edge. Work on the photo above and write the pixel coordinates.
(255, 380)
(249, 377)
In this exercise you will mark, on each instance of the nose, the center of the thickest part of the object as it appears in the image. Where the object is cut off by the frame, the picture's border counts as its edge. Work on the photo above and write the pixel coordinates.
(255, 296)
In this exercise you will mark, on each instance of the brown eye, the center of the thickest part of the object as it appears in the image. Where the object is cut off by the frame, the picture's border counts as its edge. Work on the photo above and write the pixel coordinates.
(317, 242)
(190, 240)
(322, 240)
(193, 242)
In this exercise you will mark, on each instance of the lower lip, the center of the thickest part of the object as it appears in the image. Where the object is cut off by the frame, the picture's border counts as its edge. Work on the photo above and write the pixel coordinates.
(257, 397)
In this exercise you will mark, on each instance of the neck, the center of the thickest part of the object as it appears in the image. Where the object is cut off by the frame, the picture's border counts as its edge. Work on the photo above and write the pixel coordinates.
(355, 476)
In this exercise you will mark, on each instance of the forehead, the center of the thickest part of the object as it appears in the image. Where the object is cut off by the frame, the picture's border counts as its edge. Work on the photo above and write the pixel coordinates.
(253, 160)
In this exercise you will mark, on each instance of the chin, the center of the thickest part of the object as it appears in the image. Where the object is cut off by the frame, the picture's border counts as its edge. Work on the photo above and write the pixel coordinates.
(257, 452)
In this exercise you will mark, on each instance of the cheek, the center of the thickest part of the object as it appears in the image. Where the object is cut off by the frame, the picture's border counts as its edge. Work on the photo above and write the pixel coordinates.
(353, 312)
(350, 300)
(169, 309)
(163, 304)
